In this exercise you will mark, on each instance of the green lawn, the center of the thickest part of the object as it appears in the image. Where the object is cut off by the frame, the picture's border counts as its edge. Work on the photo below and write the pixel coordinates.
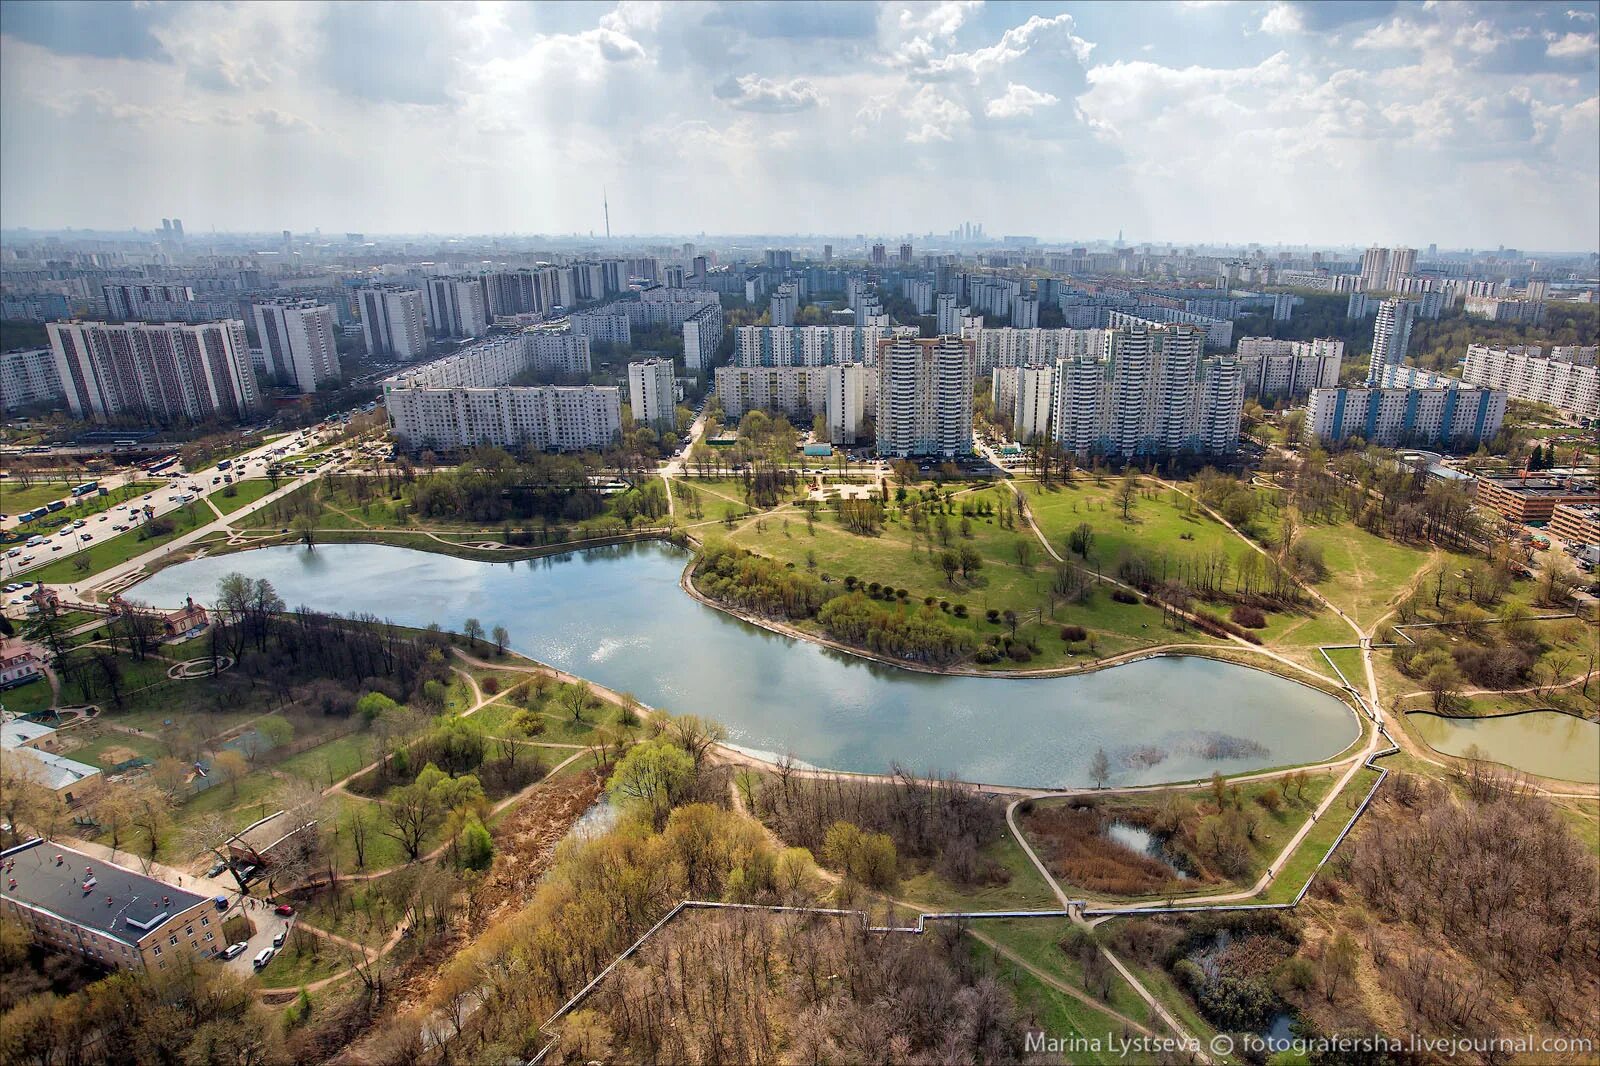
(304, 958)
(246, 492)
(330, 762)
(18, 499)
(1304, 861)
(1037, 940)
(1060, 1016)
(121, 548)
(903, 558)
(25, 699)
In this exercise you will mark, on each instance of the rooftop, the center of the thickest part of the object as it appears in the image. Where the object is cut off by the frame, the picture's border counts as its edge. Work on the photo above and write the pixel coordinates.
(117, 902)
(55, 772)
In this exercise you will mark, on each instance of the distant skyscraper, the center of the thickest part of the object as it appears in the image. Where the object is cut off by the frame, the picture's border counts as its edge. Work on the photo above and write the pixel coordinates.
(456, 305)
(297, 342)
(1391, 336)
(1402, 264)
(905, 255)
(1374, 267)
(827, 253)
(879, 256)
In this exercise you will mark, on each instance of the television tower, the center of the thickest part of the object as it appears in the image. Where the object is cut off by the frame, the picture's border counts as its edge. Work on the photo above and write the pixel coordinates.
(606, 203)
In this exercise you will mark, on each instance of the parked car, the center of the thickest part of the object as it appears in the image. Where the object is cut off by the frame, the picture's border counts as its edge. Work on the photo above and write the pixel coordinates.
(279, 937)
(263, 957)
(283, 909)
(233, 951)
(216, 868)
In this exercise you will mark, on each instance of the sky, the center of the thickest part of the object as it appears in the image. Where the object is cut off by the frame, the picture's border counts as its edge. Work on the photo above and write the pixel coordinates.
(1461, 124)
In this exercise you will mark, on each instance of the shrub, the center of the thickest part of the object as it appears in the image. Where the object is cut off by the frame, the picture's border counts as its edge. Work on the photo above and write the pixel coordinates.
(1270, 800)
(490, 686)
(1124, 596)
(988, 654)
(1249, 617)
(1072, 633)
(992, 614)
(961, 610)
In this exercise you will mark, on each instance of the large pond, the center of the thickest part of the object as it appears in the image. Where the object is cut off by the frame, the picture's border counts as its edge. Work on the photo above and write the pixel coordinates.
(1547, 743)
(618, 617)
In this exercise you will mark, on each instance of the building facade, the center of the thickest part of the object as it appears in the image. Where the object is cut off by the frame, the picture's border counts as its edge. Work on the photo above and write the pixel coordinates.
(1391, 336)
(158, 374)
(1455, 417)
(1281, 369)
(297, 344)
(1025, 394)
(392, 319)
(603, 325)
(652, 393)
(28, 378)
(1567, 379)
(456, 307)
(702, 335)
(925, 396)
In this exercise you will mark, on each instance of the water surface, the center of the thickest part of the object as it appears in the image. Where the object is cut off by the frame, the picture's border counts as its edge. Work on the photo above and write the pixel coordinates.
(1547, 743)
(617, 616)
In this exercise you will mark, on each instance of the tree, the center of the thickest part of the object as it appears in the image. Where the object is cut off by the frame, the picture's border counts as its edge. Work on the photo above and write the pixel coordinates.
(576, 698)
(477, 846)
(651, 777)
(412, 812)
(230, 766)
(1127, 492)
(1443, 682)
(305, 527)
(950, 562)
(1081, 539)
(472, 629)
(1100, 768)
(502, 637)
(1338, 964)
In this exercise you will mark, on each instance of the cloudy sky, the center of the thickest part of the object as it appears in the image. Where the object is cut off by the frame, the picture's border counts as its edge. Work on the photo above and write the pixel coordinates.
(1464, 124)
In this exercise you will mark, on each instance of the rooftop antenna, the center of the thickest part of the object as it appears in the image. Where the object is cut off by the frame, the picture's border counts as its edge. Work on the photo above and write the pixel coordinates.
(606, 203)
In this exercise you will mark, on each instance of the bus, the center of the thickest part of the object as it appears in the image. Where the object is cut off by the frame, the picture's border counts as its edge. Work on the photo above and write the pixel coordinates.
(55, 505)
(161, 464)
(85, 489)
(225, 464)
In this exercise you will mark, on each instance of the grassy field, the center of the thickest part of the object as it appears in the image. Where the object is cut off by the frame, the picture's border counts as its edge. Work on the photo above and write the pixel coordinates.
(25, 699)
(121, 548)
(246, 493)
(1300, 866)
(901, 557)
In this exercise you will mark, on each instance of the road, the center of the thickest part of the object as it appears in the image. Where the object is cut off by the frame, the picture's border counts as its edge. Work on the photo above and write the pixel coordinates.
(199, 485)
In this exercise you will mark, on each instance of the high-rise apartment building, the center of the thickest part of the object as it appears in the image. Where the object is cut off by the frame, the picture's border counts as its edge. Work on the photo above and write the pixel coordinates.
(603, 325)
(811, 345)
(1024, 395)
(948, 315)
(652, 393)
(456, 307)
(1391, 336)
(297, 342)
(1281, 369)
(925, 396)
(785, 304)
(464, 401)
(1385, 268)
(155, 373)
(702, 334)
(1151, 392)
(880, 256)
(851, 393)
(1025, 312)
(920, 292)
(1567, 379)
(1452, 416)
(905, 255)
(843, 393)
(28, 378)
(392, 321)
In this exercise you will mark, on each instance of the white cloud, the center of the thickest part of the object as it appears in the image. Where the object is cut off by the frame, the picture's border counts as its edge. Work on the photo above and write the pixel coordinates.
(1018, 100)
(1572, 46)
(1282, 20)
(934, 117)
(752, 93)
(1583, 16)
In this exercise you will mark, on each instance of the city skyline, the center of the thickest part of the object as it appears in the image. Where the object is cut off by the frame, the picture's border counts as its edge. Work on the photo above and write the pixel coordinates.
(1333, 125)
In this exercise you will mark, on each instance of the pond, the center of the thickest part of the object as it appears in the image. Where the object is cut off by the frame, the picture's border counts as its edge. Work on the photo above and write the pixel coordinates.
(1547, 743)
(1141, 840)
(617, 616)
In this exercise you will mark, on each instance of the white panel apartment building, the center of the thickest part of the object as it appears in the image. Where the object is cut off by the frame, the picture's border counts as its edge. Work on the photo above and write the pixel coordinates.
(652, 393)
(1026, 394)
(392, 319)
(456, 307)
(702, 334)
(1003, 346)
(811, 345)
(28, 378)
(661, 306)
(156, 373)
(297, 342)
(844, 393)
(463, 401)
(1391, 336)
(1153, 392)
(785, 304)
(925, 396)
(1273, 368)
(1566, 379)
(1446, 415)
(603, 325)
